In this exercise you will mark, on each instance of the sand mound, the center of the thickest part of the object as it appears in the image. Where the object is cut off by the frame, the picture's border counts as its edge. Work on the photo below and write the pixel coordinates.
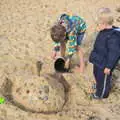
(36, 94)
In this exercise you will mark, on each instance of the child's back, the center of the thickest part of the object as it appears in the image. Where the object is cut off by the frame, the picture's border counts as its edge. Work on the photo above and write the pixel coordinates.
(106, 47)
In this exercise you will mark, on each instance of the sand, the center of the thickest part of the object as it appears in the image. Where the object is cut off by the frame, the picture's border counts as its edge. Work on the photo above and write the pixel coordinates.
(25, 39)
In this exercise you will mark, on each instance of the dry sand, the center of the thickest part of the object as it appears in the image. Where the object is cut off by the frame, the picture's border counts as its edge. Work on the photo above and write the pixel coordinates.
(25, 39)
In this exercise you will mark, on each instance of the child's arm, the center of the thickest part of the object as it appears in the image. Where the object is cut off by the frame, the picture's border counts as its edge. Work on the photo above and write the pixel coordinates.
(113, 54)
(72, 48)
(54, 54)
(56, 50)
(82, 64)
(63, 49)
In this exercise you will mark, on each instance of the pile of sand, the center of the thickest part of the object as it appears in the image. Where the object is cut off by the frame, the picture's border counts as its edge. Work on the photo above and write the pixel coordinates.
(35, 94)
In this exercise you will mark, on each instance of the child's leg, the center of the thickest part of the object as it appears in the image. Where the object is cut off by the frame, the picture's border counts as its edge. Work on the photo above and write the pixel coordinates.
(81, 55)
(95, 71)
(79, 50)
(103, 83)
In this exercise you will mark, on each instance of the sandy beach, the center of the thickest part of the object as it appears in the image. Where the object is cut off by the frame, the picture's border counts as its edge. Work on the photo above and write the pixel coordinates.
(25, 39)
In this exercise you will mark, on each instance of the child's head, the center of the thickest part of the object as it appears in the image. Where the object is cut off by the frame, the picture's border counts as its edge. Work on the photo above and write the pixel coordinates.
(104, 18)
(58, 33)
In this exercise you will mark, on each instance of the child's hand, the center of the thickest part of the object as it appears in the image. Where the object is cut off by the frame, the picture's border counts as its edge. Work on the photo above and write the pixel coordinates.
(54, 54)
(107, 71)
(67, 63)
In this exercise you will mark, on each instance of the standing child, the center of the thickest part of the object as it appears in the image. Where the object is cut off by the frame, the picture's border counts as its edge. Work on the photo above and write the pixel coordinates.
(71, 30)
(105, 54)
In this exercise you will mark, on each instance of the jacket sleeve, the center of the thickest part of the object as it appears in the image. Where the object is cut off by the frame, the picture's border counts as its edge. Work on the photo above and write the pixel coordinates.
(56, 47)
(113, 51)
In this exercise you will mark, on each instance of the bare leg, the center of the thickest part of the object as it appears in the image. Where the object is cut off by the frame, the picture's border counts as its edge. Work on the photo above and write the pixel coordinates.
(82, 64)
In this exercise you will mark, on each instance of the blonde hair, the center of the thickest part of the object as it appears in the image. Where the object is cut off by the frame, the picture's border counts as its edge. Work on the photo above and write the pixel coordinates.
(104, 16)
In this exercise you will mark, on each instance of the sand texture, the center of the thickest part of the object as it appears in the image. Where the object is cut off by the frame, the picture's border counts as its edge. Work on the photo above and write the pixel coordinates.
(27, 78)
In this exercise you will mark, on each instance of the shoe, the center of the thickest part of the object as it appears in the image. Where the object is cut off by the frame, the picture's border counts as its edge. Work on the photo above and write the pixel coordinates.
(94, 96)
(94, 86)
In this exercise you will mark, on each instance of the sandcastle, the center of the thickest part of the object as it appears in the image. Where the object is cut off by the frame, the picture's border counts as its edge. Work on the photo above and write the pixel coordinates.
(44, 94)
(26, 88)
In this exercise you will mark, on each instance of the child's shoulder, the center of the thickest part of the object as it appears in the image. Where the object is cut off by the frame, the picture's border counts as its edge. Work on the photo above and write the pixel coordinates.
(76, 17)
(116, 32)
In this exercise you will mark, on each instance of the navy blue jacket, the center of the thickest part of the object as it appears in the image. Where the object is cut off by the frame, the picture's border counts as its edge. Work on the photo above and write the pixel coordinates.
(106, 51)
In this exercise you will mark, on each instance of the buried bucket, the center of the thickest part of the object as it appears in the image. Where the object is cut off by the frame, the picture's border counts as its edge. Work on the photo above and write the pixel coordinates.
(59, 65)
